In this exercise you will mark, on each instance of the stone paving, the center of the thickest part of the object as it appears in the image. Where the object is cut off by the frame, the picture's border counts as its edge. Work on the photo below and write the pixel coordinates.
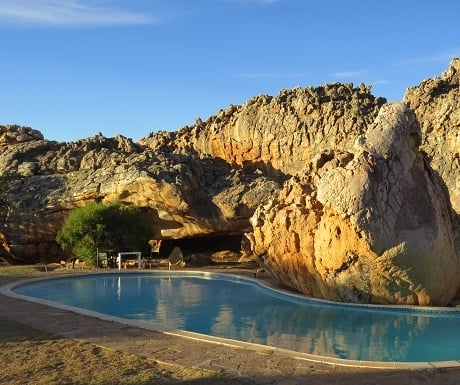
(249, 365)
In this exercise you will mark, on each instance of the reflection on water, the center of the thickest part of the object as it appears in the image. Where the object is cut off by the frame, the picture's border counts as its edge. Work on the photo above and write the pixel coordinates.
(245, 311)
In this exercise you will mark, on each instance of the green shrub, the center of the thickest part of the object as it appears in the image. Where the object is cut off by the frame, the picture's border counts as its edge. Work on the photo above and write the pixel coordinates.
(104, 227)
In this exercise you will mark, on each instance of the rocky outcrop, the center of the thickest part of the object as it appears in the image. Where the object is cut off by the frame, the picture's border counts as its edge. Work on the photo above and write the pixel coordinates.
(186, 196)
(202, 180)
(278, 135)
(436, 103)
(17, 134)
(372, 225)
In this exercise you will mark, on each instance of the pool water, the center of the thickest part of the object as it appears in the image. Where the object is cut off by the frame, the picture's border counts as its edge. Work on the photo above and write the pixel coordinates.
(242, 309)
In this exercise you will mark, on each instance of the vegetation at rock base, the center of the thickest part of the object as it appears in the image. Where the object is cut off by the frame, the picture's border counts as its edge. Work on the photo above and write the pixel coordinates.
(105, 227)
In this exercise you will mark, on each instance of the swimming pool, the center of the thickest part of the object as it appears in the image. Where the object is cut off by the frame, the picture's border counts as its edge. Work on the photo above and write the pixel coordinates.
(242, 309)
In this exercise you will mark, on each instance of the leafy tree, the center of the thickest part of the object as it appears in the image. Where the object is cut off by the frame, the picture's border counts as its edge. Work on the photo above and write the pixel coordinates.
(107, 227)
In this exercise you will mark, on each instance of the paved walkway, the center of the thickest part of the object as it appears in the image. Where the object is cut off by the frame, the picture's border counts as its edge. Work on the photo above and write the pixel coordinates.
(251, 365)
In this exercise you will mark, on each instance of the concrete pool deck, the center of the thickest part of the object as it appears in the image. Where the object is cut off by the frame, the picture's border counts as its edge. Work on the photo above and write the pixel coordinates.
(248, 363)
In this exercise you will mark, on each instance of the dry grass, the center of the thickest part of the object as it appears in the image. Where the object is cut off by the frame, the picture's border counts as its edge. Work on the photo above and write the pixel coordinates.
(23, 270)
(37, 269)
(29, 356)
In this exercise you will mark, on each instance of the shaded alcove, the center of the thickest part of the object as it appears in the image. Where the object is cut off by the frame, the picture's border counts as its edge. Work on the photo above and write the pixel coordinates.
(205, 244)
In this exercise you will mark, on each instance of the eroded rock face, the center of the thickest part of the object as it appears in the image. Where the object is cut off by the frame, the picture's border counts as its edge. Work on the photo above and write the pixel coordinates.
(436, 103)
(278, 135)
(373, 225)
(206, 179)
(186, 196)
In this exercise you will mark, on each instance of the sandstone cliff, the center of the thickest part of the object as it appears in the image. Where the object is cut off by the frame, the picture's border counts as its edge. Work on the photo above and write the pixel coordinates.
(373, 225)
(278, 135)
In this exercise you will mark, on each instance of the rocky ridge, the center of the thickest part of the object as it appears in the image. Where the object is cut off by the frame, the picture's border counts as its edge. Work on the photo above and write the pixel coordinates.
(278, 135)
(192, 191)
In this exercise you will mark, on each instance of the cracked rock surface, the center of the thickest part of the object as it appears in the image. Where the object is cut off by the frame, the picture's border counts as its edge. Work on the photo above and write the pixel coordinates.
(372, 225)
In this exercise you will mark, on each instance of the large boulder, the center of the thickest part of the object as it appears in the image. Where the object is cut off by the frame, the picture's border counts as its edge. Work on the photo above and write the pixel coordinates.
(374, 225)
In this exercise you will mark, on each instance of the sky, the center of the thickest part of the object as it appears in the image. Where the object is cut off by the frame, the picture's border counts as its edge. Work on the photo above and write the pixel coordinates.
(74, 68)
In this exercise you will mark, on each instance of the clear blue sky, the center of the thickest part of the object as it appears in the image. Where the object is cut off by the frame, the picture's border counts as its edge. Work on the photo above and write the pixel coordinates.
(72, 68)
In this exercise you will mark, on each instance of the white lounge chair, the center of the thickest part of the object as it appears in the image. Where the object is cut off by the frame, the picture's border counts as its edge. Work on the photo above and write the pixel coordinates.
(176, 258)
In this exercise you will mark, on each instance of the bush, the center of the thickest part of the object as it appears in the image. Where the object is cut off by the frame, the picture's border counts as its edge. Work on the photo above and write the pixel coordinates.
(105, 227)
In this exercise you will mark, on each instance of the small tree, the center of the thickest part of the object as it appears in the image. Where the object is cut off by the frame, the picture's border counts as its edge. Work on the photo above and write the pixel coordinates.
(107, 227)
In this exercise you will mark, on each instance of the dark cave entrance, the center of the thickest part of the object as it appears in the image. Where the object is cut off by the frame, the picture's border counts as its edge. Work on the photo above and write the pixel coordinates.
(201, 245)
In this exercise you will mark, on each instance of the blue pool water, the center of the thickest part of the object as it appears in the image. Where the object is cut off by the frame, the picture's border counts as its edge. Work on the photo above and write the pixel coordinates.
(241, 309)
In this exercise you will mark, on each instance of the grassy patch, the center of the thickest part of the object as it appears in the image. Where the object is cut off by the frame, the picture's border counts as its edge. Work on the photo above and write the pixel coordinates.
(25, 270)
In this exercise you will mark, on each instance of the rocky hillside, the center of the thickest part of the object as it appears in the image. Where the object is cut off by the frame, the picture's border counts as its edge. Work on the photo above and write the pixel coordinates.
(209, 178)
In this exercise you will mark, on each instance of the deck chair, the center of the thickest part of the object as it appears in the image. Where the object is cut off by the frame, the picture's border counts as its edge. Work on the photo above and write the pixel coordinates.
(176, 258)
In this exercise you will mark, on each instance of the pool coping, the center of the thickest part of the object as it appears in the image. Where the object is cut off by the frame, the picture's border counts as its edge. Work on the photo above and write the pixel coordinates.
(7, 290)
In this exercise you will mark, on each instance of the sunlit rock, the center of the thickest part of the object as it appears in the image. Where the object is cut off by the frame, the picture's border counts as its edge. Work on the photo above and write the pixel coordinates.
(372, 225)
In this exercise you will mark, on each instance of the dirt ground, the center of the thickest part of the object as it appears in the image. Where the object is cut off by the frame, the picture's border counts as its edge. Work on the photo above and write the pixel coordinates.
(29, 356)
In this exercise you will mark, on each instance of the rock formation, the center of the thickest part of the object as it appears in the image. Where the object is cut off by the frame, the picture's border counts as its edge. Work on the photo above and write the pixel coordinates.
(186, 196)
(436, 103)
(208, 179)
(278, 135)
(17, 134)
(372, 225)
(202, 180)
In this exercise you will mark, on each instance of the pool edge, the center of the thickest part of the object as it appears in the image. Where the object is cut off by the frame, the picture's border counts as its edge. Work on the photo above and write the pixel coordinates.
(7, 290)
